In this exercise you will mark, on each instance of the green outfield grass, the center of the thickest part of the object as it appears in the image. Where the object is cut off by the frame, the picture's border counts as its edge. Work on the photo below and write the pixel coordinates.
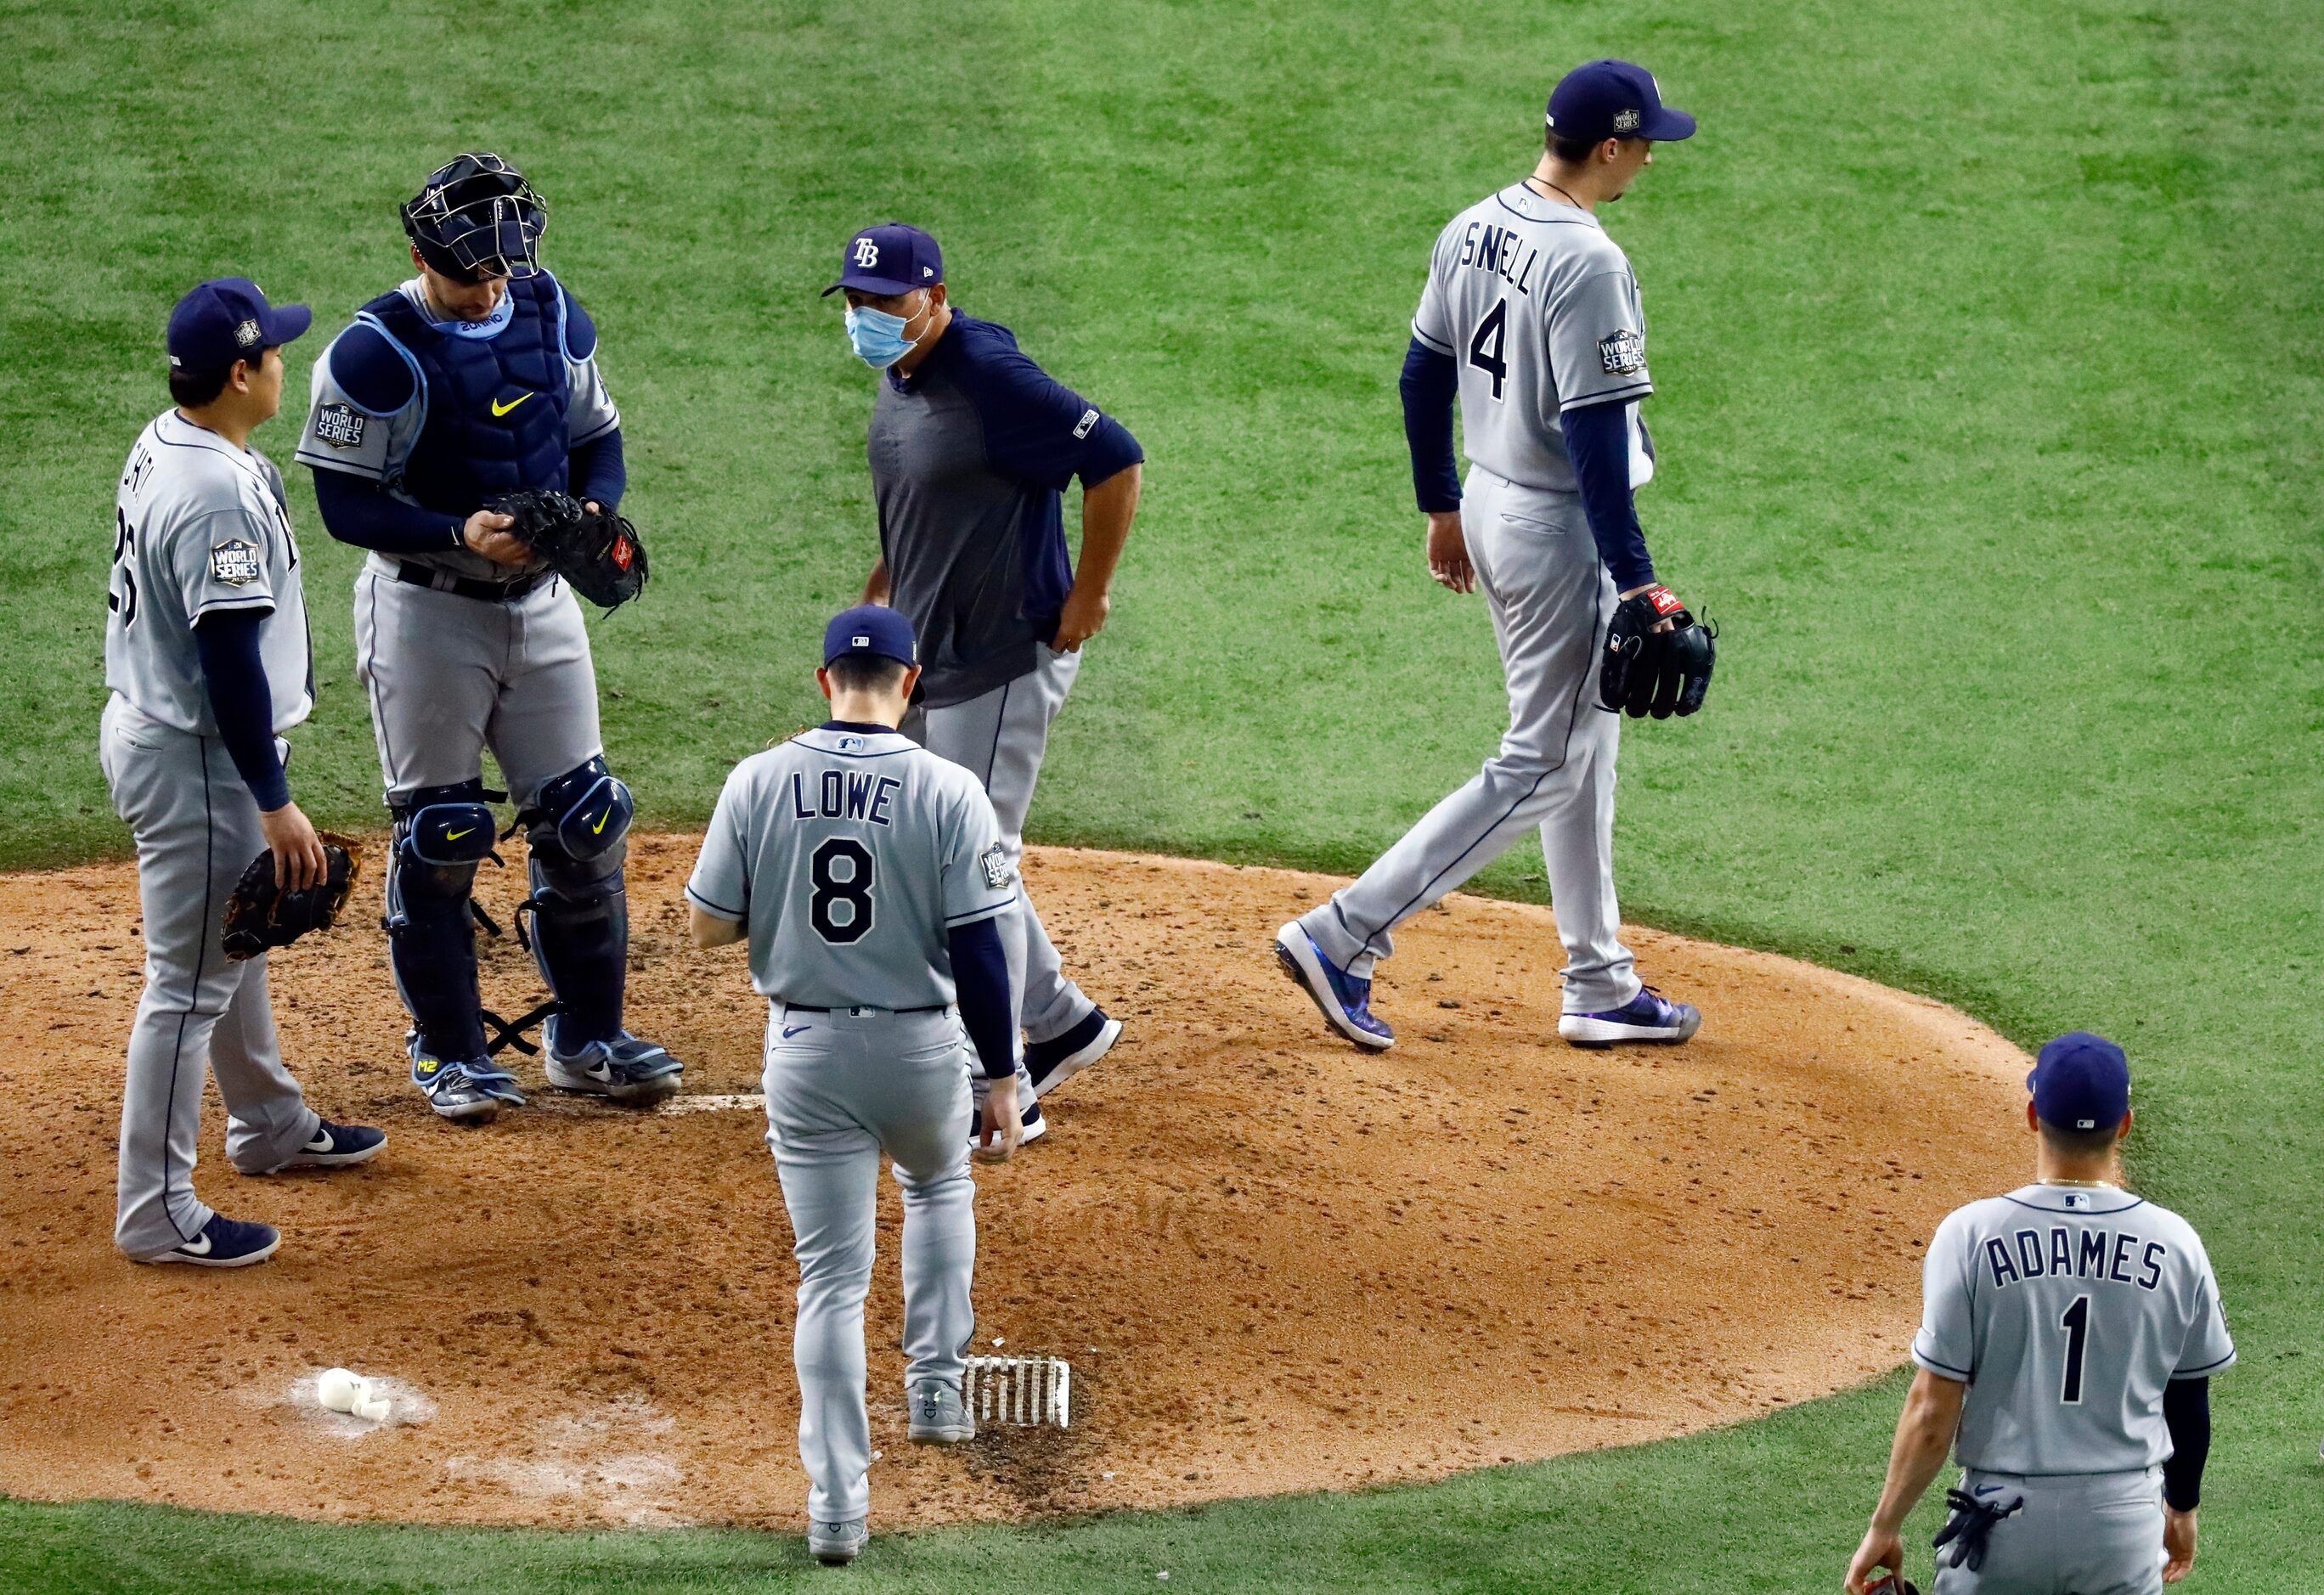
(1991, 410)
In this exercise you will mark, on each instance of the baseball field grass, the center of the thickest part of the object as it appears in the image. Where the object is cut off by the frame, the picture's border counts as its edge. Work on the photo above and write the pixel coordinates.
(1990, 349)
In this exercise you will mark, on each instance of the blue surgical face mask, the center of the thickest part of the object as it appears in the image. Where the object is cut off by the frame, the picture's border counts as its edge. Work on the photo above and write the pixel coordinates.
(878, 338)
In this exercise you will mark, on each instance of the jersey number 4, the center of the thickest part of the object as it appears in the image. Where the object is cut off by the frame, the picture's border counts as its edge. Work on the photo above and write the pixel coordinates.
(2076, 1321)
(840, 908)
(1485, 348)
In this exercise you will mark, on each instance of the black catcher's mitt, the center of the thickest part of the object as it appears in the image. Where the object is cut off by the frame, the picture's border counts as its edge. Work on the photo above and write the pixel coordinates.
(259, 914)
(1663, 673)
(596, 551)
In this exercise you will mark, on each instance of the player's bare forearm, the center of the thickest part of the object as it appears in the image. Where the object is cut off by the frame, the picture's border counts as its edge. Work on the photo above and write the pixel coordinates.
(1107, 510)
(1924, 1433)
(875, 585)
(711, 931)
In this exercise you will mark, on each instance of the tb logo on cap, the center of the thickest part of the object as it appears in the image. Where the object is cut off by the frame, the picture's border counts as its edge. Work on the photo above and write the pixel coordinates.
(867, 253)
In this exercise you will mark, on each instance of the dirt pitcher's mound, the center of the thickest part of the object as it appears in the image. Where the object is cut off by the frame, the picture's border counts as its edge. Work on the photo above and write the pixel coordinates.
(1276, 1263)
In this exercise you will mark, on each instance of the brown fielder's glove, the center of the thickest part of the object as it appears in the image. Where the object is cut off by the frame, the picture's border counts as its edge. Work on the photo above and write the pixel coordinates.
(262, 915)
(1647, 671)
(596, 551)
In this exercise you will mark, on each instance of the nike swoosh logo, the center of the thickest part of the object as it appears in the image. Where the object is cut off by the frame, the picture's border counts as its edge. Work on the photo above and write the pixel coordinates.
(321, 1143)
(455, 835)
(199, 1248)
(1987, 1489)
(599, 828)
(500, 409)
(802, 1030)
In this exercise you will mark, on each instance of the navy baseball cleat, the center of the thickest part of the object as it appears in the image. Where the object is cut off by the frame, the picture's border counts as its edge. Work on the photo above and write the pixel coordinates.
(1343, 1001)
(471, 1092)
(1053, 1061)
(336, 1146)
(1643, 1018)
(225, 1243)
(1036, 1125)
(633, 1072)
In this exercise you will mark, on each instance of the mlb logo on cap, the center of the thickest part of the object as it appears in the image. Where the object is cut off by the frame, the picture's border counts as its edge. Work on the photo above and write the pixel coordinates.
(873, 629)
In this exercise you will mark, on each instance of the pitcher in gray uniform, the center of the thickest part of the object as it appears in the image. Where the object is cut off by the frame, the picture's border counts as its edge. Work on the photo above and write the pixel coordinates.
(477, 378)
(2068, 1338)
(872, 879)
(972, 446)
(206, 655)
(1531, 315)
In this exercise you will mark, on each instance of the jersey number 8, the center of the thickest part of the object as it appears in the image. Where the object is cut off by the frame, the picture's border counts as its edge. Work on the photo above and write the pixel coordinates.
(832, 888)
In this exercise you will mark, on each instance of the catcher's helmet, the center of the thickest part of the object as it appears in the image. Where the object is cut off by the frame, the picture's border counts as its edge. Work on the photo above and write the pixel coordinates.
(477, 217)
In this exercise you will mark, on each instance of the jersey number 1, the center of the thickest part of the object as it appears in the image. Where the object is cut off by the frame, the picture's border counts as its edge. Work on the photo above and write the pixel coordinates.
(1485, 348)
(2076, 1322)
(832, 888)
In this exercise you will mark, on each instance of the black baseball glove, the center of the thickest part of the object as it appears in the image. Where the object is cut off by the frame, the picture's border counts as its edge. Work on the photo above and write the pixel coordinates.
(259, 914)
(597, 551)
(1647, 671)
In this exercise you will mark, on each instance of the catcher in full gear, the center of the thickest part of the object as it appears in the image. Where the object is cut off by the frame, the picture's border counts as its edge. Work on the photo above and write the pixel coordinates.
(478, 379)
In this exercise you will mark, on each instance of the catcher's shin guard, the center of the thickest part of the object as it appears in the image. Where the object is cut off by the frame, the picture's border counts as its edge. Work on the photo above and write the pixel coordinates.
(580, 911)
(441, 834)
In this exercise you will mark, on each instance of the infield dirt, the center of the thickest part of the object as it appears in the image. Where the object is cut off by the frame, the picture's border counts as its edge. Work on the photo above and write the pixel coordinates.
(1275, 1263)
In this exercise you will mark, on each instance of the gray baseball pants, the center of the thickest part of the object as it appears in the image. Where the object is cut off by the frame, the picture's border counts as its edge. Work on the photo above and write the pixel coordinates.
(448, 677)
(196, 826)
(1000, 737)
(2078, 1534)
(842, 1089)
(1551, 601)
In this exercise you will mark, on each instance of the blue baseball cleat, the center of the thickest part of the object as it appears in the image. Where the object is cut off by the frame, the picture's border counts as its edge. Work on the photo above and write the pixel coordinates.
(336, 1146)
(1053, 1061)
(1643, 1018)
(1343, 1001)
(471, 1090)
(633, 1072)
(225, 1243)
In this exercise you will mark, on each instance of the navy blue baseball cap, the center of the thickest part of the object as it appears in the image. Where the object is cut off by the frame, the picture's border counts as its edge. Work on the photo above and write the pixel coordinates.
(871, 631)
(889, 259)
(1614, 99)
(227, 319)
(2081, 1082)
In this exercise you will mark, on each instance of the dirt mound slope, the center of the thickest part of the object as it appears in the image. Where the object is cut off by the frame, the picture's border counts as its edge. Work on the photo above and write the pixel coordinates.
(1275, 1263)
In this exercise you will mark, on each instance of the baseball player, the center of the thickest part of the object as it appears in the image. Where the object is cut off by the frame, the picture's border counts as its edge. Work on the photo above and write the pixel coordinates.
(1532, 316)
(474, 379)
(206, 655)
(2069, 1333)
(871, 878)
(972, 446)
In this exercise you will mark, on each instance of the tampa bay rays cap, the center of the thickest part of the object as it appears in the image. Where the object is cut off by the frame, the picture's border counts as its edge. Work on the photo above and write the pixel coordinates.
(2081, 1082)
(227, 319)
(889, 259)
(1614, 99)
(871, 631)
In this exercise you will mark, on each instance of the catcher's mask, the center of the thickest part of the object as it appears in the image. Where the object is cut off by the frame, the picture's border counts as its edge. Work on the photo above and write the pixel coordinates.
(476, 219)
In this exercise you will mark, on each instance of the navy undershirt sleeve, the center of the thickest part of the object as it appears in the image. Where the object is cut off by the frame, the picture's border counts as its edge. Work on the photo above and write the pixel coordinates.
(1037, 429)
(2187, 1414)
(1431, 379)
(226, 641)
(980, 974)
(1598, 443)
(365, 515)
(596, 471)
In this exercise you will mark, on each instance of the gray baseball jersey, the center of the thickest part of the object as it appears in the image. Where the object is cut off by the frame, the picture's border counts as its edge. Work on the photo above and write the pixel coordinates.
(1542, 311)
(380, 448)
(2067, 1309)
(199, 528)
(850, 852)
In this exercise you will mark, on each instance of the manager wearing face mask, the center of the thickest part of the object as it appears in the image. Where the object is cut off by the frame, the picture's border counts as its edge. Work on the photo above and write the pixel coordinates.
(972, 447)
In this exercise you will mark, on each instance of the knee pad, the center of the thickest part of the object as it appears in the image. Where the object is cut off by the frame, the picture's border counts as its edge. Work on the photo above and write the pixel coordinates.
(441, 834)
(575, 827)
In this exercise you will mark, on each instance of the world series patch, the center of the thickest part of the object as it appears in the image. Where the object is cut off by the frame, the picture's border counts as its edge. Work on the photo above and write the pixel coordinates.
(234, 562)
(995, 860)
(1623, 353)
(340, 425)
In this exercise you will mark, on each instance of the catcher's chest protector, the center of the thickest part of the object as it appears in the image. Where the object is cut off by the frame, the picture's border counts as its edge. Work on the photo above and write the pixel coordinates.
(496, 405)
